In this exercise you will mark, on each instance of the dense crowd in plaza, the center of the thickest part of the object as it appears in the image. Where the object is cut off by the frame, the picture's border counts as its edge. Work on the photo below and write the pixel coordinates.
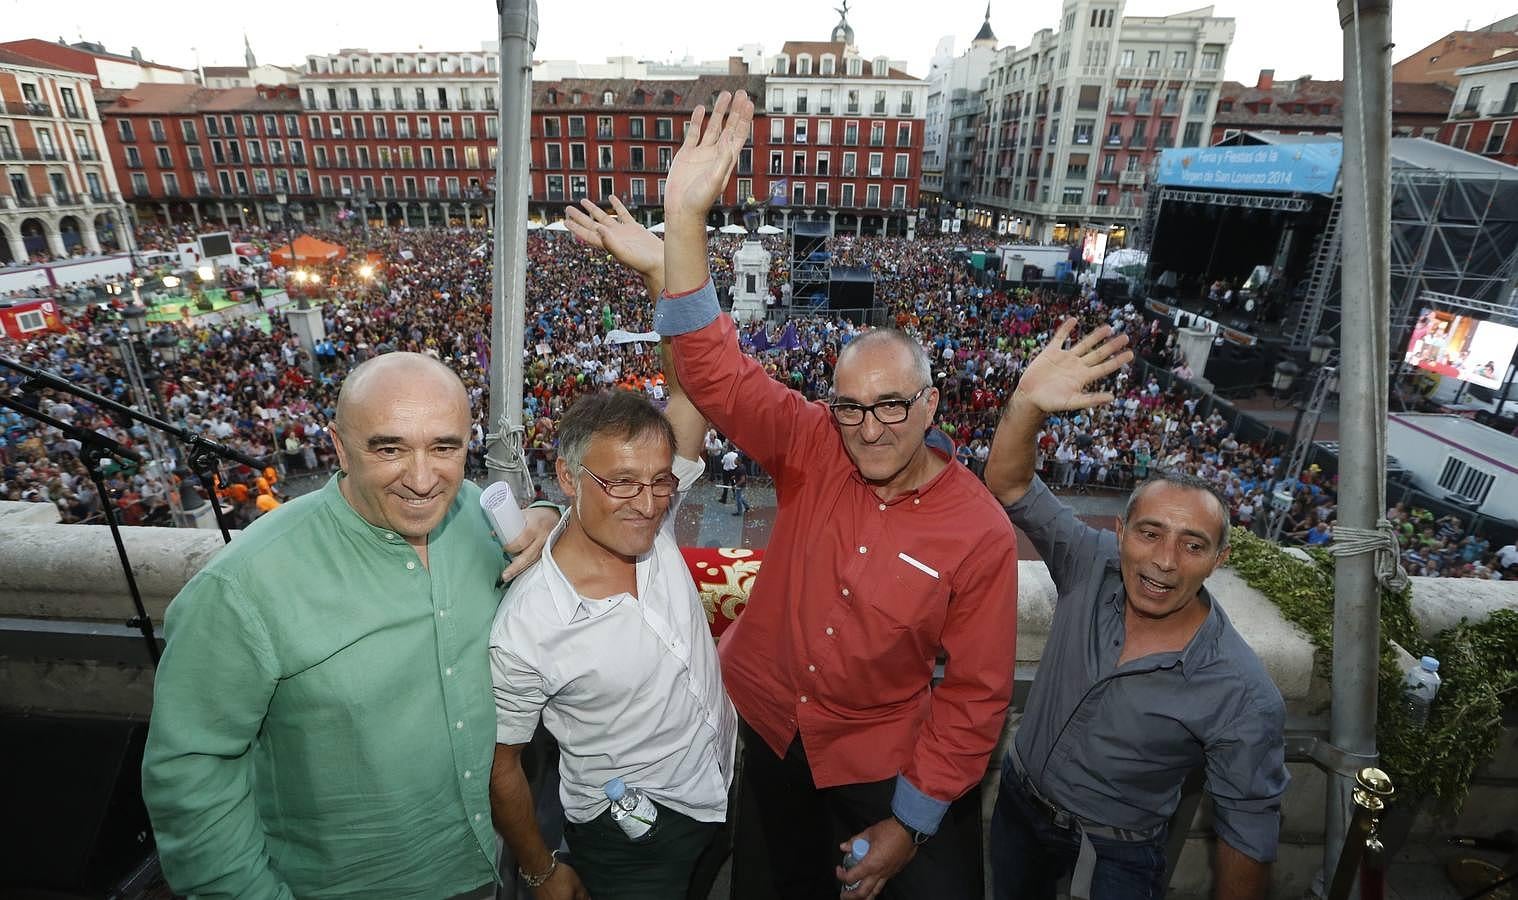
(240, 379)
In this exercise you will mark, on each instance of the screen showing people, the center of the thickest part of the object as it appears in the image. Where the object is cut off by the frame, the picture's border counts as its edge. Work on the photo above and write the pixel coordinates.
(1462, 347)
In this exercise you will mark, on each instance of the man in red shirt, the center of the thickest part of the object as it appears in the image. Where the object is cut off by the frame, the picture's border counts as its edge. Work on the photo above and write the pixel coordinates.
(886, 555)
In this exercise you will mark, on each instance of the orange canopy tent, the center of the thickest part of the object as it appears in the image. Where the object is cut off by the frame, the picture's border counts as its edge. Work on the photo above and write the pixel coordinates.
(307, 250)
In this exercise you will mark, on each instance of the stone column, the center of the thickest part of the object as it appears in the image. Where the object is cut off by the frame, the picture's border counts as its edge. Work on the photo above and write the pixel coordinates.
(91, 239)
(221, 213)
(426, 215)
(55, 240)
(258, 209)
(785, 219)
(195, 211)
(859, 226)
(241, 222)
(17, 245)
(832, 221)
(164, 209)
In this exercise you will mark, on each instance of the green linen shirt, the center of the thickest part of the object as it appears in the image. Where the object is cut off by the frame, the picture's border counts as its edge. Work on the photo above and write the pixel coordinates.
(322, 718)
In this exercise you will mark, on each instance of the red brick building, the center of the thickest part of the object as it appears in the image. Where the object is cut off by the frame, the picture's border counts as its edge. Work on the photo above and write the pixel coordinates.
(187, 153)
(1309, 106)
(598, 137)
(58, 195)
(1480, 120)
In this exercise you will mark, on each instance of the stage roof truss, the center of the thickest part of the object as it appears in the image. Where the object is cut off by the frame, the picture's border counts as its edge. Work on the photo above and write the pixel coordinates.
(1246, 201)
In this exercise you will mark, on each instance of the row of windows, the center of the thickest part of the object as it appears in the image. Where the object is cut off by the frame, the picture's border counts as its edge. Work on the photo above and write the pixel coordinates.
(797, 193)
(852, 102)
(34, 103)
(381, 126)
(800, 132)
(401, 65)
(827, 64)
(1492, 146)
(224, 152)
(58, 183)
(1472, 104)
(47, 148)
(400, 98)
(821, 164)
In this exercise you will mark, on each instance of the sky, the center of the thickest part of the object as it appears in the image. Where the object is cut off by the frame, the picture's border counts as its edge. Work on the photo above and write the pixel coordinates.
(1294, 37)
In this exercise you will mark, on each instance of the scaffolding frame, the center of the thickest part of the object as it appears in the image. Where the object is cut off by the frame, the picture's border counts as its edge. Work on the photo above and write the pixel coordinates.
(1453, 235)
(809, 278)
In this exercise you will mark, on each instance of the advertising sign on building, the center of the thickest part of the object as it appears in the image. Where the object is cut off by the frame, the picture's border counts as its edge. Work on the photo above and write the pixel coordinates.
(1306, 168)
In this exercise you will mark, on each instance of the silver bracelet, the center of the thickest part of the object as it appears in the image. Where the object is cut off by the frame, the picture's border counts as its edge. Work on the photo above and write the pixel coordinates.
(533, 881)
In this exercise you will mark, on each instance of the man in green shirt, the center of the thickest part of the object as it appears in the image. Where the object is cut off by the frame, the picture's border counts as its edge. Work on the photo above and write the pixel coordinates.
(322, 720)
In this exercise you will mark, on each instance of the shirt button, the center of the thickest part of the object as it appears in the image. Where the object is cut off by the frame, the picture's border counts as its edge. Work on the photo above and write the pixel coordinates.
(411, 564)
(811, 668)
(864, 549)
(845, 592)
(448, 671)
(442, 614)
(476, 817)
(882, 507)
(459, 725)
(803, 698)
(468, 774)
(830, 629)
(916, 501)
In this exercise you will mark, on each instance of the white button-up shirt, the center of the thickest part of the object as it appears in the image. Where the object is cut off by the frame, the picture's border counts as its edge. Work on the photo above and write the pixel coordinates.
(629, 686)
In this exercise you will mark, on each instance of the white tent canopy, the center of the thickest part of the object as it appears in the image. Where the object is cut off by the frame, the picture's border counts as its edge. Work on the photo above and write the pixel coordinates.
(534, 226)
(659, 228)
(733, 229)
(556, 226)
(770, 229)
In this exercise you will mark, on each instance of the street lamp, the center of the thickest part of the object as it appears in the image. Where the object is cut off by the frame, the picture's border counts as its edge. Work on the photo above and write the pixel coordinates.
(283, 199)
(1320, 349)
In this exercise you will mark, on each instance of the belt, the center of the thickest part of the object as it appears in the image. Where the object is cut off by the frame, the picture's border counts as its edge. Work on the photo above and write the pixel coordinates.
(1085, 859)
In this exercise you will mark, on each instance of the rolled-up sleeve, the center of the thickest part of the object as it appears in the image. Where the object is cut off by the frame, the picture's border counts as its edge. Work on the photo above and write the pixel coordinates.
(519, 694)
(1246, 777)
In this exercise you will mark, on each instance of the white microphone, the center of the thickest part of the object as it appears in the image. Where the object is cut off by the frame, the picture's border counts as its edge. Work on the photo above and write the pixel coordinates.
(500, 508)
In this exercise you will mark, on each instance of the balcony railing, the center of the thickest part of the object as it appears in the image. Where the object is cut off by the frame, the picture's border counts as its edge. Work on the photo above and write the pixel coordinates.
(27, 108)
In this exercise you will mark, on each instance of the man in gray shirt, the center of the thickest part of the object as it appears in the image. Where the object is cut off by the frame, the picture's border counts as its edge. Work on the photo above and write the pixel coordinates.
(1142, 680)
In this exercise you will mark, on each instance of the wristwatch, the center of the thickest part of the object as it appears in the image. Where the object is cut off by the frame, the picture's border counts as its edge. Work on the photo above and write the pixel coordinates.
(918, 837)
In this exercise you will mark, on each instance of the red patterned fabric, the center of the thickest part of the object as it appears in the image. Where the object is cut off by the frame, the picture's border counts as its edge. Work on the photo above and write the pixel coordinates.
(724, 576)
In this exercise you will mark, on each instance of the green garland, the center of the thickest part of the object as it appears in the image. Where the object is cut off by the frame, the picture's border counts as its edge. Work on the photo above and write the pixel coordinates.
(1478, 663)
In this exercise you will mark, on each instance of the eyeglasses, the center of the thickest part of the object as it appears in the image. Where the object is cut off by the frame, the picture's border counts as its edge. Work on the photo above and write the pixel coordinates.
(663, 486)
(886, 412)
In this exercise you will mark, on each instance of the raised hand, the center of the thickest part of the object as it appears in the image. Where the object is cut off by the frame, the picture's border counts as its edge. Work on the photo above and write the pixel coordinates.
(630, 243)
(1057, 378)
(701, 168)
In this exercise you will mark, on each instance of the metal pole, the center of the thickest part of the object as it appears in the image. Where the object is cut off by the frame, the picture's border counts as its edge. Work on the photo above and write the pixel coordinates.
(1366, 250)
(508, 332)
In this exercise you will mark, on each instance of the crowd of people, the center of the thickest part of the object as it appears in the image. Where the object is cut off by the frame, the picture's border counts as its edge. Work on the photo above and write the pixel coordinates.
(241, 380)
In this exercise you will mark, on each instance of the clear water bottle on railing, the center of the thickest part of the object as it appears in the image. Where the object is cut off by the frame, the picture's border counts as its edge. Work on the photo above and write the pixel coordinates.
(1419, 689)
(632, 810)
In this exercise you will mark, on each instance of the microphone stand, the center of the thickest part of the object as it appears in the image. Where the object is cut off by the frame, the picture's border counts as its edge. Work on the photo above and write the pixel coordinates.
(203, 452)
(97, 448)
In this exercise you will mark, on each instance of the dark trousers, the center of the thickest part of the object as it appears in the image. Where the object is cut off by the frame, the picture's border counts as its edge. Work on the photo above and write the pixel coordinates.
(1030, 854)
(614, 867)
(789, 831)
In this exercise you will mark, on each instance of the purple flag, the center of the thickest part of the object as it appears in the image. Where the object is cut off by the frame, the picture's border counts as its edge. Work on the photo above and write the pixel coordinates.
(788, 339)
(758, 339)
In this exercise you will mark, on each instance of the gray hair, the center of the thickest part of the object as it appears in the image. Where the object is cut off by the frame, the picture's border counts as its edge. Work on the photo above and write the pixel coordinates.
(921, 366)
(624, 414)
(1189, 482)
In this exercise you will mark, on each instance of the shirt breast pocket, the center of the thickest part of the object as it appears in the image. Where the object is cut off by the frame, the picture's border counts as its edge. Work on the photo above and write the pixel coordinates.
(911, 595)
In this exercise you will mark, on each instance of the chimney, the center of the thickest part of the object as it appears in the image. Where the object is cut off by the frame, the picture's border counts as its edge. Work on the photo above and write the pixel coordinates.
(736, 66)
(136, 54)
(1267, 80)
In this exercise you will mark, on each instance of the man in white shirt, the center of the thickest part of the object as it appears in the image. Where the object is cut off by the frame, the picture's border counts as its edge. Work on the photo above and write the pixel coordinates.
(606, 640)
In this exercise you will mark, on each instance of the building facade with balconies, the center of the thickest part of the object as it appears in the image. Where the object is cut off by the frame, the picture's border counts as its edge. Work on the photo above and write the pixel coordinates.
(185, 153)
(592, 138)
(1480, 120)
(406, 138)
(59, 196)
(1073, 121)
(840, 136)
(1310, 106)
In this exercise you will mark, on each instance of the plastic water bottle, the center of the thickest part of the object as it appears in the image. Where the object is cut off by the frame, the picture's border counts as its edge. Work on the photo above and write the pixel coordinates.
(1419, 688)
(631, 809)
(854, 857)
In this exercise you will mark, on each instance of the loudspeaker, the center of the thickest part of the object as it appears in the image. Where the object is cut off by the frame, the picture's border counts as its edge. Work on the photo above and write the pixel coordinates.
(73, 800)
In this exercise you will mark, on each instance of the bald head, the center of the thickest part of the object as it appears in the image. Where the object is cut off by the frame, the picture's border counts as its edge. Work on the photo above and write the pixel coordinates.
(913, 358)
(382, 377)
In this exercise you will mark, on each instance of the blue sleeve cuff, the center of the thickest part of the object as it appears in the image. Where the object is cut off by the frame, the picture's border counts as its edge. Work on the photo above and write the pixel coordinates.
(688, 312)
(915, 809)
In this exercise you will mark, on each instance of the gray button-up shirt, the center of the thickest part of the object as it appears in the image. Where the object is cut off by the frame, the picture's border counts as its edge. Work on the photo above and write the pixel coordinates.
(1112, 744)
